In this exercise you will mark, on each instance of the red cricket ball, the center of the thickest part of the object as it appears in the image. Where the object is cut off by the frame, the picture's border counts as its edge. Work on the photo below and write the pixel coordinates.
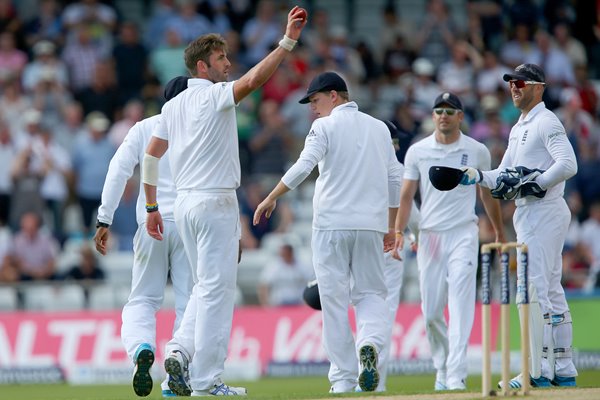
(302, 13)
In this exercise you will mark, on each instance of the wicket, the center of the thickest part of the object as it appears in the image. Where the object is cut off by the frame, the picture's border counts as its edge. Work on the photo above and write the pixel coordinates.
(522, 299)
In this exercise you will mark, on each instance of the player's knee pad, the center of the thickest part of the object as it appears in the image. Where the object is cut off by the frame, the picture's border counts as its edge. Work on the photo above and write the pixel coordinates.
(547, 335)
(562, 332)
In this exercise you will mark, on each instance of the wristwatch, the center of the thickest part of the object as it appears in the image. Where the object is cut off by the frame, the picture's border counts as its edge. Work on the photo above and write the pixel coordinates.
(102, 225)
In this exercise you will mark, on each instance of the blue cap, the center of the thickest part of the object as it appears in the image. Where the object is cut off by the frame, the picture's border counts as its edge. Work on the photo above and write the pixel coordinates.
(324, 82)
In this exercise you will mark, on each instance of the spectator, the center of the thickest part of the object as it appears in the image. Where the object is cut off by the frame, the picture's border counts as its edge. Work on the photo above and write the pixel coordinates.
(8, 273)
(81, 56)
(33, 250)
(13, 104)
(490, 130)
(70, 126)
(91, 155)
(103, 94)
(131, 62)
(587, 90)
(261, 32)
(156, 25)
(166, 60)
(569, 45)
(282, 282)
(12, 60)
(250, 196)
(54, 164)
(45, 25)
(397, 59)
(188, 23)
(132, 113)
(44, 66)
(490, 18)
(457, 75)
(516, 50)
(556, 64)
(99, 18)
(8, 153)
(87, 267)
(271, 142)
(489, 76)
(422, 90)
(436, 34)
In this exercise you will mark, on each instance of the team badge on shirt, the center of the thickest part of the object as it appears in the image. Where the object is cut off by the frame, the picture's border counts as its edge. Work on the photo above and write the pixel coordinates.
(464, 159)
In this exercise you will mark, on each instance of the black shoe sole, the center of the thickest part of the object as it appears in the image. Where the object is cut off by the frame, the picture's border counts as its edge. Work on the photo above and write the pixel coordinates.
(369, 376)
(142, 380)
(176, 379)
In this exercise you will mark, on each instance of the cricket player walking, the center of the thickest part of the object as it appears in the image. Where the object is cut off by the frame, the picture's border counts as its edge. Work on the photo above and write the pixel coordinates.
(359, 178)
(153, 260)
(448, 238)
(534, 168)
(200, 128)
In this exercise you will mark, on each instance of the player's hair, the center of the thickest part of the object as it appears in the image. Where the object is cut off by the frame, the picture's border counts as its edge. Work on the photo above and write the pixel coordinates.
(201, 49)
(344, 95)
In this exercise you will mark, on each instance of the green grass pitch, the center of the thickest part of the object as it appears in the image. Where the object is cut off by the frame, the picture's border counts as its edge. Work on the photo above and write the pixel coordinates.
(264, 389)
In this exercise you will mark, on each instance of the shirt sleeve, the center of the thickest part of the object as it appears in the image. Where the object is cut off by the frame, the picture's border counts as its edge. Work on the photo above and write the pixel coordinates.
(222, 95)
(555, 139)
(411, 169)
(395, 172)
(315, 148)
(120, 169)
(160, 129)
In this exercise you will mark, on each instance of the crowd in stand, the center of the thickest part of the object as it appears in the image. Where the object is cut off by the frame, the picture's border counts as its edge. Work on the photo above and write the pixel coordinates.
(77, 76)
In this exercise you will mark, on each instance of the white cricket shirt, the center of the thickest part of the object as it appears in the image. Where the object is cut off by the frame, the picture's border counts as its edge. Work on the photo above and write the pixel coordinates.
(201, 128)
(538, 141)
(129, 154)
(359, 174)
(441, 211)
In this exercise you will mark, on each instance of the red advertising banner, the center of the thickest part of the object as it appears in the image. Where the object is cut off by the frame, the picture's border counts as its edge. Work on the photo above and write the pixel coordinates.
(88, 348)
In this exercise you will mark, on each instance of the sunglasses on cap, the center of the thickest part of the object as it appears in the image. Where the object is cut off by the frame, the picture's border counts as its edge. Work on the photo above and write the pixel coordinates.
(520, 84)
(448, 111)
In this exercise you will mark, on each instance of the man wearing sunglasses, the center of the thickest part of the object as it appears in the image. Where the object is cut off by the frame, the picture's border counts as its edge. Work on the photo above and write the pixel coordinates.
(538, 142)
(448, 239)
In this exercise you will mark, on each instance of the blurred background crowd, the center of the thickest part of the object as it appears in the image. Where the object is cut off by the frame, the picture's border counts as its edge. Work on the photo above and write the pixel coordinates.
(75, 76)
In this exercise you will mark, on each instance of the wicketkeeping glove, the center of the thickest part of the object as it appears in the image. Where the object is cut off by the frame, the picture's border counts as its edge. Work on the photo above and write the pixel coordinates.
(471, 176)
(517, 182)
(529, 187)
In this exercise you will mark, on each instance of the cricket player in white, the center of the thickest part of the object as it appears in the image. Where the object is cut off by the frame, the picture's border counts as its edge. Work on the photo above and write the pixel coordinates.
(199, 126)
(153, 260)
(359, 177)
(448, 238)
(541, 220)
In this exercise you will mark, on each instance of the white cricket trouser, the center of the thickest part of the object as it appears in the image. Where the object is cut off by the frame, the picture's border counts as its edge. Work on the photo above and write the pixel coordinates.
(151, 264)
(543, 226)
(208, 223)
(338, 257)
(393, 273)
(447, 264)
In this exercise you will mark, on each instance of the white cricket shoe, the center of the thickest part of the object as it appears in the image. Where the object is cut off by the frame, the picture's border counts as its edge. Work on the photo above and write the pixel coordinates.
(176, 365)
(439, 385)
(221, 389)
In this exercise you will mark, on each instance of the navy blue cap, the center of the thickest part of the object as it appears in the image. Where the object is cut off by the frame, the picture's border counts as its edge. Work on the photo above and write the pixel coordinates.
(175, 86)
(449, 99)
(324, 82)
(527, 72)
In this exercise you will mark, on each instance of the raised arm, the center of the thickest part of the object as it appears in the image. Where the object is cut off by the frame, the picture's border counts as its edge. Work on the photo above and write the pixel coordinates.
(262, 71)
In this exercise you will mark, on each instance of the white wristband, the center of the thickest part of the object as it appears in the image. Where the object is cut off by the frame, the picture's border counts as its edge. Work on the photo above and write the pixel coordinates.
(287, 43)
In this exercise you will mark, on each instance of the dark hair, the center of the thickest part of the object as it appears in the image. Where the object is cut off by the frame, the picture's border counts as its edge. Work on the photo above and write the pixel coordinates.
(201, 49)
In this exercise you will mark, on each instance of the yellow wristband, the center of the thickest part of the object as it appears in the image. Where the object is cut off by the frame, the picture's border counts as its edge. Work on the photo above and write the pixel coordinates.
(151, 204)
(399, 233)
